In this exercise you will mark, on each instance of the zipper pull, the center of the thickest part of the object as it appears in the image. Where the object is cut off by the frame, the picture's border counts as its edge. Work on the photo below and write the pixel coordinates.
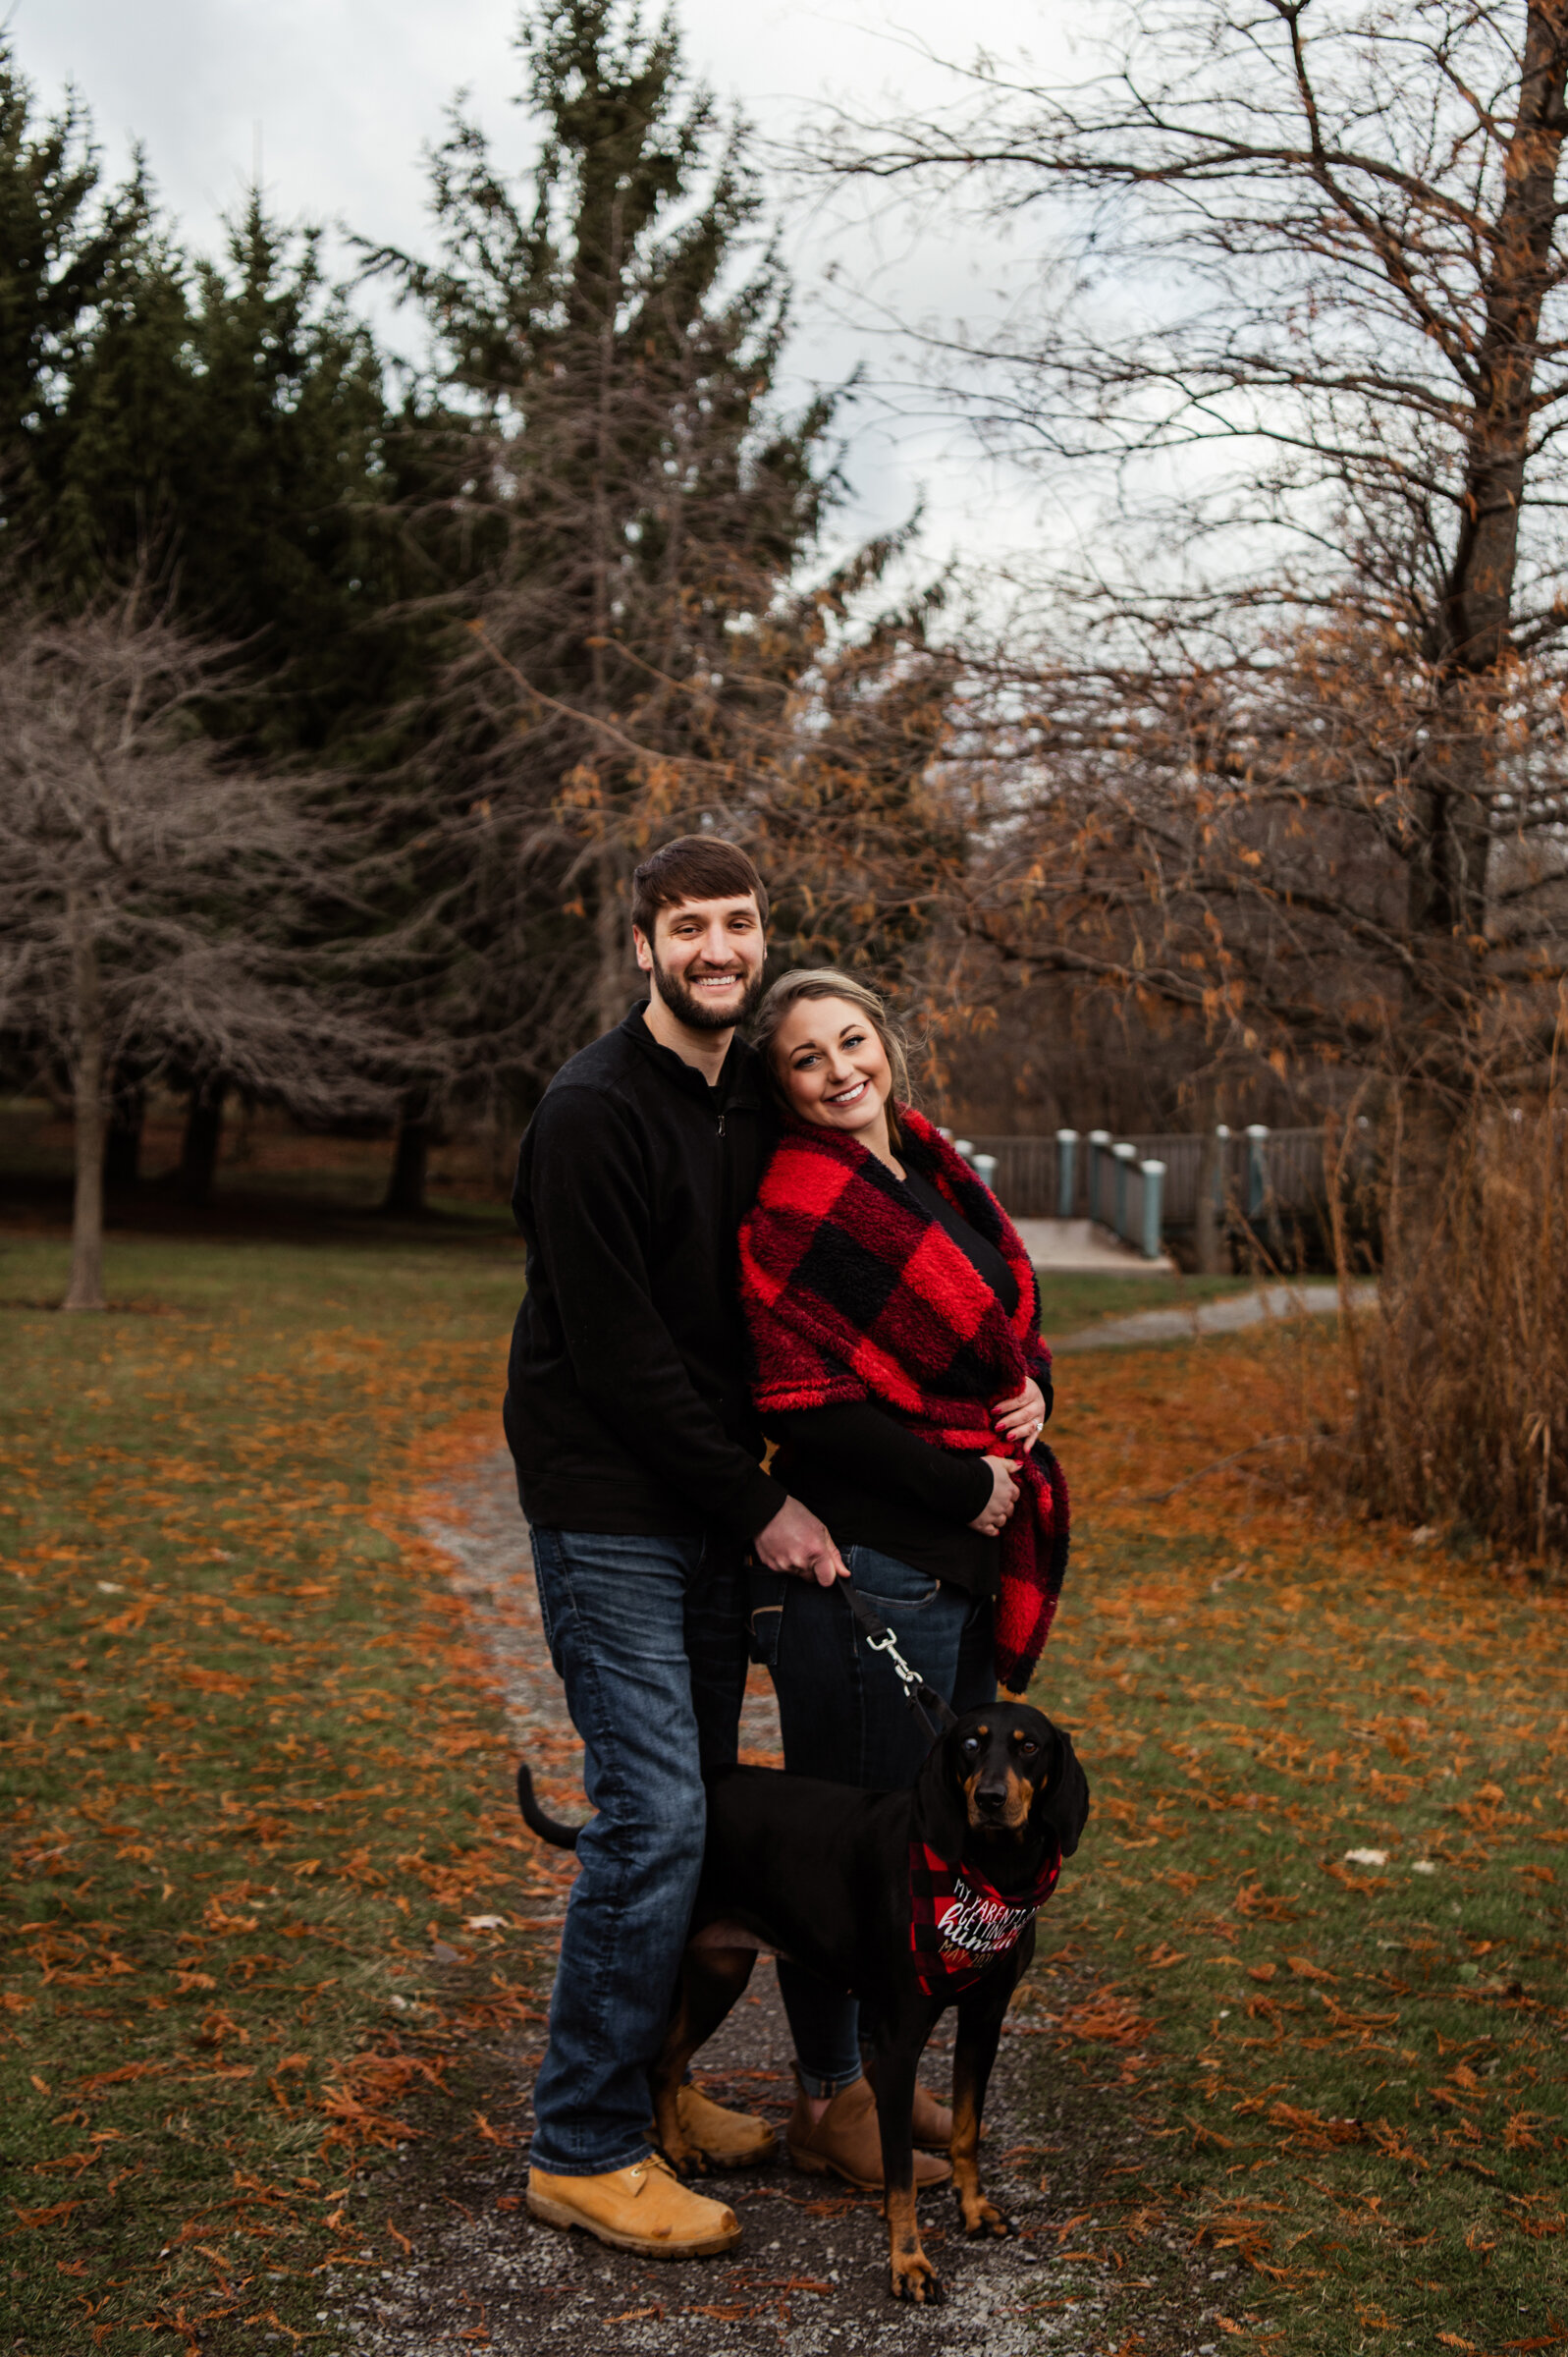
(721, 1124)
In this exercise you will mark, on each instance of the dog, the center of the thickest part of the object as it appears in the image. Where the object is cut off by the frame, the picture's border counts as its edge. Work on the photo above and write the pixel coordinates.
(911, 1900)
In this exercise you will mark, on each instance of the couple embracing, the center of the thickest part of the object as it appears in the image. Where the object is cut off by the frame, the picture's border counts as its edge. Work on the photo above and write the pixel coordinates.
(731, 1239)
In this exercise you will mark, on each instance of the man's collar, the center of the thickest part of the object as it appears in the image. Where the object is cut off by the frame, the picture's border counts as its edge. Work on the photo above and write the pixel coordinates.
(737, 1083)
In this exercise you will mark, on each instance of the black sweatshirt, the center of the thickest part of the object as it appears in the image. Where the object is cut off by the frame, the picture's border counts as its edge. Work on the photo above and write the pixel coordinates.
(627, 1406)
(875, 1483)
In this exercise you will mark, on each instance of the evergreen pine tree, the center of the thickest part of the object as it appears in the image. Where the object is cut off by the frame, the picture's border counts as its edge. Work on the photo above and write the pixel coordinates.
(66, 244)
(227, 425)
(616, 325)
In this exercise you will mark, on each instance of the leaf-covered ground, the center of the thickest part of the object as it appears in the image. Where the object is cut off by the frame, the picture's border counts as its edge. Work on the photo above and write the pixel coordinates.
(256, 1786)
(247, 1752)
(1328, 1875)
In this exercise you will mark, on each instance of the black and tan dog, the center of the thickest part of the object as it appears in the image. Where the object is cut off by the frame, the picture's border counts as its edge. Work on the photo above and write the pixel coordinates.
(911, 1900)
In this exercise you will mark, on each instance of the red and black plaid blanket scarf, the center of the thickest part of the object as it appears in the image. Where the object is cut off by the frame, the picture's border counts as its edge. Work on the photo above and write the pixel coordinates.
(960, 1924)
(852, 1292)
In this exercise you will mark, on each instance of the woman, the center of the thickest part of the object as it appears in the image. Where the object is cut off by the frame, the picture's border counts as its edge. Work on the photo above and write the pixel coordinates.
(893, 1319)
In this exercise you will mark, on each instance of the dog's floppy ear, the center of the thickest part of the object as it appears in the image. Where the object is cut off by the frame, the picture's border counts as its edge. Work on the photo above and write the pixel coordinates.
(940, 1817)
(1063, 1804)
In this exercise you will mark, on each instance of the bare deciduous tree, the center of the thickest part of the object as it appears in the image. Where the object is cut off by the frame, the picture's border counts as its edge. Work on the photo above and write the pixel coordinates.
(146, 890)
(1295, 761)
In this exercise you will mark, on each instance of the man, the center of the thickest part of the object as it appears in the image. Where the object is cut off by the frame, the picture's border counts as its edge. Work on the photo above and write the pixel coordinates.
(629, 1417)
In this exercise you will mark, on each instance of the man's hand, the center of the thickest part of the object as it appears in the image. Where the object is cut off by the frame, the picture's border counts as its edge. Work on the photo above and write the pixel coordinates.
(795, 1541)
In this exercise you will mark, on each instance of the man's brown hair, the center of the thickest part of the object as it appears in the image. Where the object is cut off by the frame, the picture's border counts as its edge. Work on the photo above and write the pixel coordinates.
(694, 868)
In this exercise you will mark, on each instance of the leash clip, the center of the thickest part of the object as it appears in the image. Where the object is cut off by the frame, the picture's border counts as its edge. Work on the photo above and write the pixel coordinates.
(909, 1678)
(928, 1706)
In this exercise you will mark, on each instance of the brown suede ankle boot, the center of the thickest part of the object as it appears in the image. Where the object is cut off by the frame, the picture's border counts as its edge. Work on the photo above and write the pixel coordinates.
(724, 2139)
(930, 2119)
(933, 2122)
(848, 2141)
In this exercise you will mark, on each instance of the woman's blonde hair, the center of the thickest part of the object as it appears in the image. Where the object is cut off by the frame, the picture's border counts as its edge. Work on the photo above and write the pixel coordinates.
(827, 982)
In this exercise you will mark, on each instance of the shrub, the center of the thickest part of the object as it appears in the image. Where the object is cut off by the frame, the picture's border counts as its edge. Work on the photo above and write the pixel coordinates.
(1460, 1373)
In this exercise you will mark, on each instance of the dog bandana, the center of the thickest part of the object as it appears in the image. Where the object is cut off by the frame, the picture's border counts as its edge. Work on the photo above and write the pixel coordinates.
(958, 1925)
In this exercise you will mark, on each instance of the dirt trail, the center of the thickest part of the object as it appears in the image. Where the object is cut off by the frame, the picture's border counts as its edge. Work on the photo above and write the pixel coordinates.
(810, 2273)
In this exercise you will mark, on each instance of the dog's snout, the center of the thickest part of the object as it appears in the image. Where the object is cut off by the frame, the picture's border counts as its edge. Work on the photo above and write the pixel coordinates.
(991, 1800)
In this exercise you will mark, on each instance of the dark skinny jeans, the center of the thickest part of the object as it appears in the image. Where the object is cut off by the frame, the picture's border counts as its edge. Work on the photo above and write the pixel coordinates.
(843, 1717)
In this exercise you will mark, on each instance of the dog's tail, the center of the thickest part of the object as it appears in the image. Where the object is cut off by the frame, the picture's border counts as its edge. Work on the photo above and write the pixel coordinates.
(560, 1837)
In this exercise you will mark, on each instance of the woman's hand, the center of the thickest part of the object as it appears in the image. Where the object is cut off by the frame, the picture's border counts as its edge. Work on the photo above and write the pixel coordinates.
(1004, 1497)
(1023, 1419)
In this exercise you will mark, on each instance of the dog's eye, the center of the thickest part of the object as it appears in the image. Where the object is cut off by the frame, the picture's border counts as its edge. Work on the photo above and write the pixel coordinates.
(1028, 1749)
(970, 1743)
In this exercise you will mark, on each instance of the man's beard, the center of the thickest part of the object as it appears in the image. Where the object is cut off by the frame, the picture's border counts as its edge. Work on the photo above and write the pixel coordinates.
(689, 1006)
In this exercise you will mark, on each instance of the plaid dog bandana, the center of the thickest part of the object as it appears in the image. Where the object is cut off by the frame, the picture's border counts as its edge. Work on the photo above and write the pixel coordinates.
(958, 1925)
(852, 1292)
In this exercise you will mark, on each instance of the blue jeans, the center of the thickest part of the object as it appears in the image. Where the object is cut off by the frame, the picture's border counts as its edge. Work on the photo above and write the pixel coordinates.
(843, 1717)
(649, 1636)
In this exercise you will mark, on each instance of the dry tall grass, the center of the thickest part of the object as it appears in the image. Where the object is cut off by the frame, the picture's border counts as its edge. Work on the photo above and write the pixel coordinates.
(1461, 1373)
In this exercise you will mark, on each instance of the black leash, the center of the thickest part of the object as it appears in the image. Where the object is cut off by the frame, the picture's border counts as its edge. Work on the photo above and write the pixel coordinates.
(933, 1714)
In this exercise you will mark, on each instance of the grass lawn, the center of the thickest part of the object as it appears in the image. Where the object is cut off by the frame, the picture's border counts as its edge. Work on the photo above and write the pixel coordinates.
(1354, 2065)
(256, 1784)
(245, 1755)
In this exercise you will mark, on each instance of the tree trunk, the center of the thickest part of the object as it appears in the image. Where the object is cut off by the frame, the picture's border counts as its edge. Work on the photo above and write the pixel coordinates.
(1419, 1130)
(1457, 783)
(128, 1111)
(598, 290)
(198, 1155)
(613, 941)
(410, 1157)
(1206, 1236)
(1448, 872)
(86, 1228)
(504, 1132)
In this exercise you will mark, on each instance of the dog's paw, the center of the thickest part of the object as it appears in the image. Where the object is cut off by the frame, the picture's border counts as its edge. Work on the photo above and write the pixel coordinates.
(984, 2218)
(917, 2281)
(686, 2160)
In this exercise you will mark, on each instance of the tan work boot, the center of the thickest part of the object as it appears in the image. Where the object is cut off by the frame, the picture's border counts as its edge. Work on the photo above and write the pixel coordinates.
(726, 2139)
(643, 2209)
(846, 2140)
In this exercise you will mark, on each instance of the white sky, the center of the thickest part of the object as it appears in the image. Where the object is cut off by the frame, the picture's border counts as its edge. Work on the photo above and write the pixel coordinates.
(343, 95)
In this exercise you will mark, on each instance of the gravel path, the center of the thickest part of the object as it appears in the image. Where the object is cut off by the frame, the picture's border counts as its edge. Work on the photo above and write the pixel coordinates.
(810, 2273)
(1232, 1313)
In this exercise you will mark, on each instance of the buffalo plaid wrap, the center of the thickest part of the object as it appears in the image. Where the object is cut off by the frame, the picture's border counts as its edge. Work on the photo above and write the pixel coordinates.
(852, 1292)
(958, 1924)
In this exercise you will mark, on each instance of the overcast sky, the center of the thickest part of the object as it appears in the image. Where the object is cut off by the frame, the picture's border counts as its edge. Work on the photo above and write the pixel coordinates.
(341, 95)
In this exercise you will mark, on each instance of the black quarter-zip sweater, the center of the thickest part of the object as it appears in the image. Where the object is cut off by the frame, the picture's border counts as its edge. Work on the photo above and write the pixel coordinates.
(627, 1406)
